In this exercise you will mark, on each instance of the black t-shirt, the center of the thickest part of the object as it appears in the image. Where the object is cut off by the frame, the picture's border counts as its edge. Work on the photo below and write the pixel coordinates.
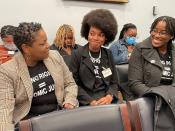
(100, 87)
(44, 99)
(167, 73)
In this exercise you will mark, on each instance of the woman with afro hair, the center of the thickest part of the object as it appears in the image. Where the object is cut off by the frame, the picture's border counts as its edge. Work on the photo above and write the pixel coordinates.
(92, 65)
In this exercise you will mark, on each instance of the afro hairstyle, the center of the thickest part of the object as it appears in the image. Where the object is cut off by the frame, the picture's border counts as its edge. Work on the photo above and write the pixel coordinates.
(102, 19)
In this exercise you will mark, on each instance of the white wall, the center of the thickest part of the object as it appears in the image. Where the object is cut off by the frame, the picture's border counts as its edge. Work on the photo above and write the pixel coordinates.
(53, 13)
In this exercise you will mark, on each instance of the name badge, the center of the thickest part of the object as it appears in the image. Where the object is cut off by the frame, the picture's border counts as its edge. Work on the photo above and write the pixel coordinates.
(106, 72)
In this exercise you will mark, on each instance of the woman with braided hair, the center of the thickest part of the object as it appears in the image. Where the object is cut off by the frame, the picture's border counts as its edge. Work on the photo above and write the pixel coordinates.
(35, 81)
(64, 42)
(152, 71)
(92, 65)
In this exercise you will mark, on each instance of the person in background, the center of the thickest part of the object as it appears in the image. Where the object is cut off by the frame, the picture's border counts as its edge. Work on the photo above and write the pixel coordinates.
(8, 49)
(122, 49)
(64, 42)
(92, 65)
(152, 69)
(35, 81)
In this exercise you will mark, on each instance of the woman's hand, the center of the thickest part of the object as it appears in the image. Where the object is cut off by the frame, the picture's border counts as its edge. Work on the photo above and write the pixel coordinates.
(105, 100)
(94, 103)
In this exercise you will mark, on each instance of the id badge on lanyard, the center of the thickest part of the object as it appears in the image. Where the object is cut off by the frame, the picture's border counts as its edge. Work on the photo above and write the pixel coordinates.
(106, 72)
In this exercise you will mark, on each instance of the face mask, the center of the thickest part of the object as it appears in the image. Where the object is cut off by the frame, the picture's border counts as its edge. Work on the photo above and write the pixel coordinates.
(10, 46)
(131, 40)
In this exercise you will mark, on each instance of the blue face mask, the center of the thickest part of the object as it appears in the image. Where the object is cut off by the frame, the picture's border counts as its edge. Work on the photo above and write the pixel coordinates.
(131, 40)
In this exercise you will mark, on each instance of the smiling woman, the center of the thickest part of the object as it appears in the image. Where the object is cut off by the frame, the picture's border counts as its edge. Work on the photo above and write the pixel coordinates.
(151, 70)
(33, 82)
(92, 65)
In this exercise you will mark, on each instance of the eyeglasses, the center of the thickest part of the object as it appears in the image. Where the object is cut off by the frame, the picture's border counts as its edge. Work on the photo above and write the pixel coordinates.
(161, 33)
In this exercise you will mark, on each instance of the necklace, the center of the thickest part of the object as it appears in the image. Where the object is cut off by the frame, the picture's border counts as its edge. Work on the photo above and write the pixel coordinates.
(95, 60)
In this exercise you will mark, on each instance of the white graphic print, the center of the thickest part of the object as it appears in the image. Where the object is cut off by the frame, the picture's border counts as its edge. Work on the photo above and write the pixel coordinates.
(96, 71)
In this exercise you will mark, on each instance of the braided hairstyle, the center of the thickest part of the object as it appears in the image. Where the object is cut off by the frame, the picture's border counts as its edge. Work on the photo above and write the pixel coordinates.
(25, 33)
(170, 25)
(62, 33)
(125, 28)
(102, 19)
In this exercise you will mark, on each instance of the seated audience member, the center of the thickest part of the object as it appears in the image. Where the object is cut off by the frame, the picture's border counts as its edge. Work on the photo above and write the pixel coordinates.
(64, 42)
(35, 81)
(92, 65)
(122, 49)
(8, 49)
(152, 69)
